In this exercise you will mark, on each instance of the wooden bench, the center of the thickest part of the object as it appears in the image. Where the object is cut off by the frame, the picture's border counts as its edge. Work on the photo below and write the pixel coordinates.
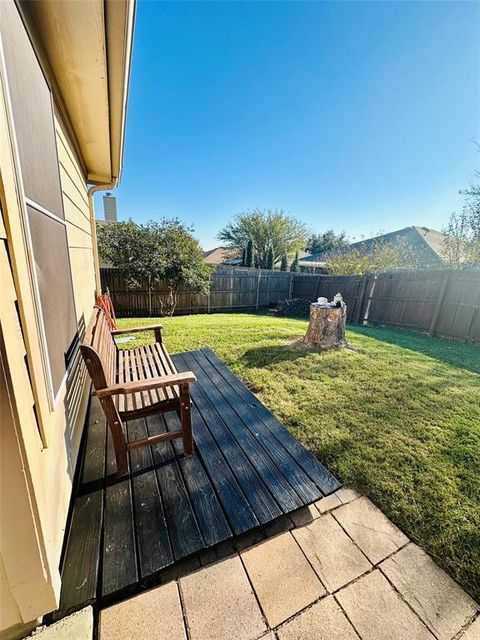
(135, 383)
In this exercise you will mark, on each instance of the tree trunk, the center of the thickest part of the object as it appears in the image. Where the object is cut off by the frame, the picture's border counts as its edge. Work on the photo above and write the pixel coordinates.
(326, 328)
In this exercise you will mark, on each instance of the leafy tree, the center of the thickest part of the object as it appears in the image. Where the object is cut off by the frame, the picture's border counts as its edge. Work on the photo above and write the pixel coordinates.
(270, 257)
(462, 243)
(327, 241)
(244, 253)
(284, 262)
(250, 254)
(156, 252)
(295, 266)
(284, 232)
(377, 257)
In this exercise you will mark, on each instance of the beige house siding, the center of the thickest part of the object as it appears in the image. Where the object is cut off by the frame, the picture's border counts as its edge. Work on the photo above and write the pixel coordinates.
(79, 238)
(10, 613)
(39, 441)
(25, 572)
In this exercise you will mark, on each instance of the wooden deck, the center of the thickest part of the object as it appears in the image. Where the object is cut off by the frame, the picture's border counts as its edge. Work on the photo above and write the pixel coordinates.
(247, 471)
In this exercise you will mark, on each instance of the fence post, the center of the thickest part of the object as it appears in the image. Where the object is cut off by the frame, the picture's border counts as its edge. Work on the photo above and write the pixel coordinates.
(258, 287)
(208, 294)
(149, 296)
(475, 314)
(438, 308)
(370, 297)
(290, 288)
(361, 299)
(317, 288)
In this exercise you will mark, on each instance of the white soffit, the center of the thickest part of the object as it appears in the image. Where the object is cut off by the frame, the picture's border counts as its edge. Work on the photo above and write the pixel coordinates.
(73, 35)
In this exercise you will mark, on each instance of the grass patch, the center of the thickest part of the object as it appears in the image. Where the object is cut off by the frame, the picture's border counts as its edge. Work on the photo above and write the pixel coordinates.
(398, 417)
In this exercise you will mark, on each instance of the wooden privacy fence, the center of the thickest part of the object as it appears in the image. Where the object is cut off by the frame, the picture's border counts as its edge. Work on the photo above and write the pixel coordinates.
(352, 288)
(232, 289)
(440, 302)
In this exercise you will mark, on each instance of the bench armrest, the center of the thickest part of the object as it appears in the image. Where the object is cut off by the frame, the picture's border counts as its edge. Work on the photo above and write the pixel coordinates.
(149, 327)
(124, 388)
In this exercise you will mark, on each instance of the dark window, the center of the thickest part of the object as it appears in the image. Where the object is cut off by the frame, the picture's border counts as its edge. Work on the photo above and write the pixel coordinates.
(55, 285)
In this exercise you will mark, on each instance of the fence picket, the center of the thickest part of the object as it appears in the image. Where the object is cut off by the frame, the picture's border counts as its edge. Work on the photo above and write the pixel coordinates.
(438, 308)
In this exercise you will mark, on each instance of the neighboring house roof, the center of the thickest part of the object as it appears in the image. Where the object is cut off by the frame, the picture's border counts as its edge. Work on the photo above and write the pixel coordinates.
(221, 255)
(307, 263)
(301, 254)
(435, 239)
(426, 243)
(224, 255)
(87, 47)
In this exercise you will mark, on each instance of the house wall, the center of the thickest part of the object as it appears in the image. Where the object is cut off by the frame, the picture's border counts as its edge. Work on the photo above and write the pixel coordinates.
(39, 439)
(79, 239)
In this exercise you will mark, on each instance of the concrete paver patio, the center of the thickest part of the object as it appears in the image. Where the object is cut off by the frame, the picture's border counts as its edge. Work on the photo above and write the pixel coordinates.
(377, 611)
(376, 536)
(339, 570)
(438, 601)
(281, 577)
(78, 626)
(333, 555)
(217, 596)
(155, 615)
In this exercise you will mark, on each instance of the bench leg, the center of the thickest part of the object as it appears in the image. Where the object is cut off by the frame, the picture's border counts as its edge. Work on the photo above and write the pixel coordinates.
(121, 457)
(186, 420)
(119, 444)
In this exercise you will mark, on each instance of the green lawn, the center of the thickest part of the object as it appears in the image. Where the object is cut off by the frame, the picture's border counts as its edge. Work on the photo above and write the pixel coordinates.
(397, 417)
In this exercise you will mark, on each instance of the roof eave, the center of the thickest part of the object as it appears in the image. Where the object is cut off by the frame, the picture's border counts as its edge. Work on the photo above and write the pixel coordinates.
(120, 18)
(88, 50)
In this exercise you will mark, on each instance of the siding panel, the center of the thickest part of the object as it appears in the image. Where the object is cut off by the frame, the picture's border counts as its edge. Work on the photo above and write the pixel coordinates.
(77, 217)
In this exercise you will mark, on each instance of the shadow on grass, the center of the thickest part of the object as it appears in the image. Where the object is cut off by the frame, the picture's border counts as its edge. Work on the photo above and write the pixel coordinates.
(457, 354)
(265, 356)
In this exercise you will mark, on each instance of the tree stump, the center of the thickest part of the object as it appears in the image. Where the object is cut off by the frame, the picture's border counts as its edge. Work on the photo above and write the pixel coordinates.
(326, 328)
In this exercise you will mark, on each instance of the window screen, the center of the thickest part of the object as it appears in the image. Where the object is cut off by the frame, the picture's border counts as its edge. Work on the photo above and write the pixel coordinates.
(35, 132)
(32, 114)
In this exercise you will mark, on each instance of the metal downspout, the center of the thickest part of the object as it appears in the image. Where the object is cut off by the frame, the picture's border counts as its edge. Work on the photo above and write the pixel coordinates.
(93, 229)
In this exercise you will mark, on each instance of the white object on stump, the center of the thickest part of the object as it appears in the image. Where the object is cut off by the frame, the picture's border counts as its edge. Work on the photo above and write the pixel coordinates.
(326, 328)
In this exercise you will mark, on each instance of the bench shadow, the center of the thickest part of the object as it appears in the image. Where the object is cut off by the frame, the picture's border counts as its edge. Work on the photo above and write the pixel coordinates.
(458, 354)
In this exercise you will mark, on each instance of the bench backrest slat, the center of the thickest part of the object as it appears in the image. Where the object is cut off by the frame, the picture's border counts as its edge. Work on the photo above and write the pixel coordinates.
(100, 351)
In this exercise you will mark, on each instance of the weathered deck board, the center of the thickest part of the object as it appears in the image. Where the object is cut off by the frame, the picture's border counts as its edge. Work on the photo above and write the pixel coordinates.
(82, 558)
(317, 472)
(119, 547)
(282, 490)
(304, 486)
(185, 535)
(154, 548)
(254, 489)
(210, 516)
(93, 469)
(246, 471)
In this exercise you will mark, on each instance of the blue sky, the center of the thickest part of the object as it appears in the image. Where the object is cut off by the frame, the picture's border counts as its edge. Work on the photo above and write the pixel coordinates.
(353, 115)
